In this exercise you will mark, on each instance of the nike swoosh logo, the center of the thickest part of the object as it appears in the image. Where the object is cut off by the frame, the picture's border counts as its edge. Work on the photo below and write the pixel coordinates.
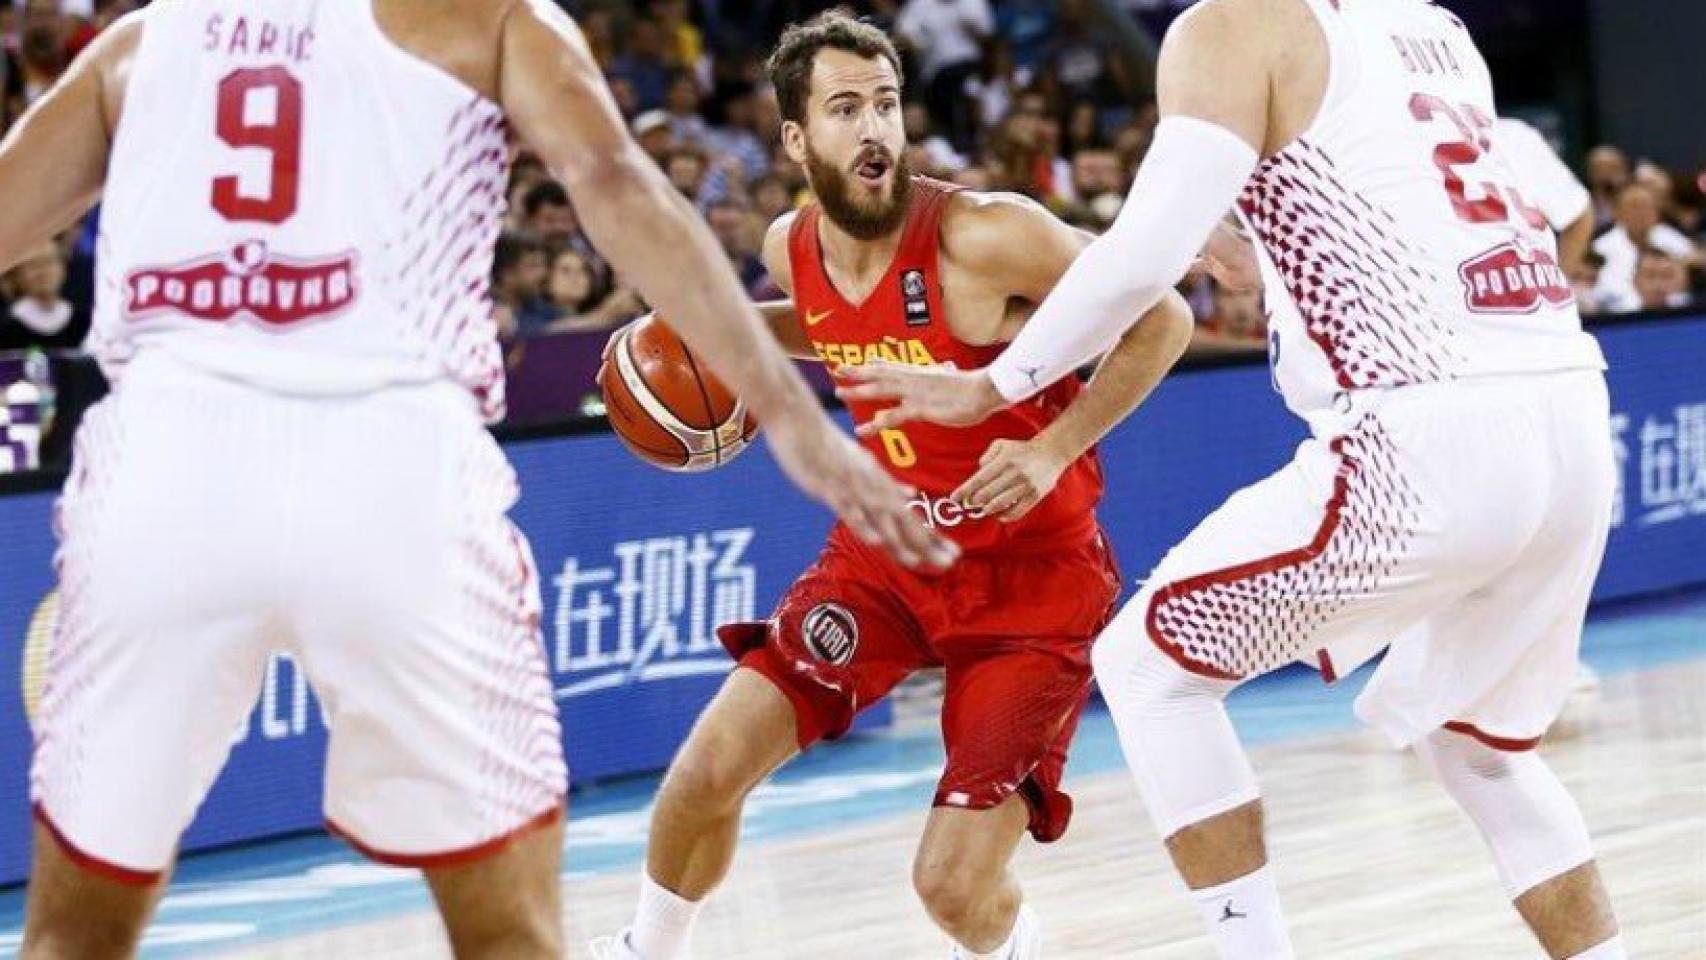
(814, 318)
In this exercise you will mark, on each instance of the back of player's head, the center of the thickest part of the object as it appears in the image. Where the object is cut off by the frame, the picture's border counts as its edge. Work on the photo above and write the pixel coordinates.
(790, 64)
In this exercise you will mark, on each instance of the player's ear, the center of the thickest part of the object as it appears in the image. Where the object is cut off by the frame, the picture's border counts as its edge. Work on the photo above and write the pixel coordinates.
(794, 140)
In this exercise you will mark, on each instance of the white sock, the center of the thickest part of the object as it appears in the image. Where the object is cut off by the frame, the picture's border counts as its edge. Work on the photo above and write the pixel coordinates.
(1609, 950)
(663, 922)
(1024, 927)
(1244, 919)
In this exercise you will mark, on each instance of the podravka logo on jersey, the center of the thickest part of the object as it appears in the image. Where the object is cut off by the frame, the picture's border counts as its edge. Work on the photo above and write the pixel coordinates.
(248, 279)
(1512, 278)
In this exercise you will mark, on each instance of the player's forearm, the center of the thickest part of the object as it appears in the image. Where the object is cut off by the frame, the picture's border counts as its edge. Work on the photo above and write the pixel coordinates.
(1126, 377)
(52, 163)
(1190, 179)
(650, 234)
(1573, 242)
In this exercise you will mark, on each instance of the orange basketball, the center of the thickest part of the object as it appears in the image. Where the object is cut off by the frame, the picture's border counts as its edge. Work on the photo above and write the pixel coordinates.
(665, 405)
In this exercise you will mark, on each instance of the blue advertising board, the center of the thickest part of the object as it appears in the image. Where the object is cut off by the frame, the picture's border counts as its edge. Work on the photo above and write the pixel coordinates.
(637, 567)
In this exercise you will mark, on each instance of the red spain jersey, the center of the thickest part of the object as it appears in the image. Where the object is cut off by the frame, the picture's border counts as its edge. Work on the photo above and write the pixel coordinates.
(903, 320)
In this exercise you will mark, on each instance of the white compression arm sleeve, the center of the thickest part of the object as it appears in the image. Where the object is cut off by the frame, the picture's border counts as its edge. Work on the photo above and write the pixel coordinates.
(1193, 173)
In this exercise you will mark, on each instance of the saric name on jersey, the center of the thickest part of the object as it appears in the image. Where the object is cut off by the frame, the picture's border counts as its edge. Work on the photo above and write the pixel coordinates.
(893, 349)
(246, 35)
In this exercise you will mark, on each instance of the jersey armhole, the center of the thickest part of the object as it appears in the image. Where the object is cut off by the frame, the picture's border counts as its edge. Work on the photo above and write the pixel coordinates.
(1343, 65)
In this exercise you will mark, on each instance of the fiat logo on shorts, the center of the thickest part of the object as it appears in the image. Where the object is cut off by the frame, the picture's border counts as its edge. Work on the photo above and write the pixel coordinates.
(831, 633)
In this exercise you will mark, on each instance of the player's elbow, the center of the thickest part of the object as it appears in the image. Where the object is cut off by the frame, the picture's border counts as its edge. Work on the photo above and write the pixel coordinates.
(609, 181)
(1169, 325)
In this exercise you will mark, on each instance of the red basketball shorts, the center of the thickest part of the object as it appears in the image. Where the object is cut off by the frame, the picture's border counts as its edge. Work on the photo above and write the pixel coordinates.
(1013, 631)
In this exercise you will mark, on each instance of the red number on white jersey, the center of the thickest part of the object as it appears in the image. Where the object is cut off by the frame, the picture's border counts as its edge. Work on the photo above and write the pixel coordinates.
(1474, 126)
(241, 93)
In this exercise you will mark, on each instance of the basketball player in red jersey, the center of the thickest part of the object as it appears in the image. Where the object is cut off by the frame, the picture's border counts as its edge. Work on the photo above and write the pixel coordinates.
(280, 466)
(908, 269)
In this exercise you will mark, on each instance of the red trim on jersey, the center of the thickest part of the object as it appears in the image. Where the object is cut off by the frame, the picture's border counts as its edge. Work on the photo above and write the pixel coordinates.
(448, 858)
(1328, 673)
(93, 864)
(1507, 744)
(1256, 568)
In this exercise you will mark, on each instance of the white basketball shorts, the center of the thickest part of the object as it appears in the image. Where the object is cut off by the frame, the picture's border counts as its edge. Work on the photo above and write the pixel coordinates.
(208, 524)
(1458, 525)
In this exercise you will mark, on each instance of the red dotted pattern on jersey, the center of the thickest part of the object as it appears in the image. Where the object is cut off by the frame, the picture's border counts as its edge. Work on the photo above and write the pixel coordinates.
(1255, 617)
(1355, 283)
(441, 262)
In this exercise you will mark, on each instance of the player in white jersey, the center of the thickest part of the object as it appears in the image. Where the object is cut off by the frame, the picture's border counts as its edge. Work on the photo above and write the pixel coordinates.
(301, 201)
(1453, 501)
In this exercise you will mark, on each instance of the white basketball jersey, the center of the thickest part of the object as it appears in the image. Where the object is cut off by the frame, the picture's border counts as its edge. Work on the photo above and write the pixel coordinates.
(1403, 241)
(295, 202)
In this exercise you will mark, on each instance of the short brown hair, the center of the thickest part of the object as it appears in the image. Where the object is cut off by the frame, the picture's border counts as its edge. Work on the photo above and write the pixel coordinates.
(790, 65)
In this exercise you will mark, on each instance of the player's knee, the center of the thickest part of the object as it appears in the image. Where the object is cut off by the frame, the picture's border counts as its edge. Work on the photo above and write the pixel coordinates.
(1136, 677)
(706, 781)
(951, 893)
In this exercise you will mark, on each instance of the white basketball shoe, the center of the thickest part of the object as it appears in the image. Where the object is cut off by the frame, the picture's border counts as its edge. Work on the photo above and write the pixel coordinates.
(612, 948)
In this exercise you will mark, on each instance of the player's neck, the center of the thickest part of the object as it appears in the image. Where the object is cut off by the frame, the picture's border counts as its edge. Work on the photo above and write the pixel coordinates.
(852, 256)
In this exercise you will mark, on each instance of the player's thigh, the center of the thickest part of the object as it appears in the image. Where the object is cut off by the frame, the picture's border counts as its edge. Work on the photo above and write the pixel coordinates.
(1008, 717)
(417, 620)
(838, 642)
(161, 639)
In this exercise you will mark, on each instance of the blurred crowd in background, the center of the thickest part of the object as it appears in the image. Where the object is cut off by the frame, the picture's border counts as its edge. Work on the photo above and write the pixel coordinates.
(1031, 96)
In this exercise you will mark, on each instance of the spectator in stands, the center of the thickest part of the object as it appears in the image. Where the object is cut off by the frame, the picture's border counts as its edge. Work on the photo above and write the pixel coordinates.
(771, 197)
(44, 35)
(684, 46)
(518, 279)
(1637, 227)
(1026, 27)
(1083, 128)
(1661, 282)
(1099, 185)
(997, 83)
(942, 155)
(1236, 325)
(686, 168)
(645, 66)
(573, 293)
(1608, 174)
(739, 140)
(39, 315)
(741, 237)
(1584, 279)
(683, 105)
(549, 215)
(655, 135)
(948, 37)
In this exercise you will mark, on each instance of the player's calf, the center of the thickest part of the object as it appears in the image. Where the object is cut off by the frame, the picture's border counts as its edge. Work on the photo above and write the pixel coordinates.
(76, 914)
(745, 733)
(508, 905)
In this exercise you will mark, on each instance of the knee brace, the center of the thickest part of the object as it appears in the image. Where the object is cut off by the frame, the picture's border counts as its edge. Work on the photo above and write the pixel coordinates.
(1527, 819)
(1173, 727)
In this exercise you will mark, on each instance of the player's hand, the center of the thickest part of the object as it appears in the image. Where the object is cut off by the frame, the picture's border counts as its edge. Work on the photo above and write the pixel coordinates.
(616, 334)
(835, 471)
(1012, 478)
(1230, 257)
(953, 398)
